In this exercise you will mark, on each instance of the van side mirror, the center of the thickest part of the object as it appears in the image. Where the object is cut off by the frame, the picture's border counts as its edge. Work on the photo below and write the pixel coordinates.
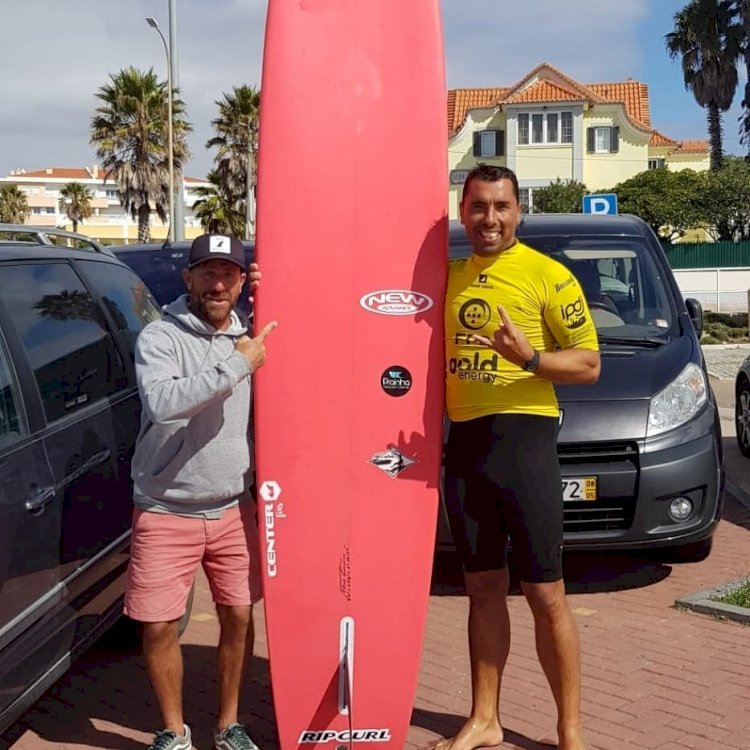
(695, 311)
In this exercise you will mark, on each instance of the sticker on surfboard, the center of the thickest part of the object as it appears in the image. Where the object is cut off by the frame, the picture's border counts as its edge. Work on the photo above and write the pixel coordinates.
(391, 461)
(395, 302)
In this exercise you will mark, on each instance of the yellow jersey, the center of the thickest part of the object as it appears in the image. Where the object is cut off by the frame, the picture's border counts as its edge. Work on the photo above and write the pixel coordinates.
(542, 298)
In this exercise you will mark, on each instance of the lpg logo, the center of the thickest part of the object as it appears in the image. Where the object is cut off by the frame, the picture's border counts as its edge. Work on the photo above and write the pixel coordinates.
(395, 302)
(572, 314)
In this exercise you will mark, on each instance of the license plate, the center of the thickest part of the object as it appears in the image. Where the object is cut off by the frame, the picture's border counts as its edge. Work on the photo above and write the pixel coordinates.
(579, 489)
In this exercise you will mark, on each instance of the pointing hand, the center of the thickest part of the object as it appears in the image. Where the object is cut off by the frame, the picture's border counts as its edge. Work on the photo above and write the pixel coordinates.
(254, 349)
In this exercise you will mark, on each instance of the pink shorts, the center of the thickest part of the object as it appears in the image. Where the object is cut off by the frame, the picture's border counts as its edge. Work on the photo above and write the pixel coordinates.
(166, 550)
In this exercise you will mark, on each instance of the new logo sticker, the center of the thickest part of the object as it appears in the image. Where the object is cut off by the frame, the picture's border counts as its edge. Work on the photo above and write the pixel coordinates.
(395, 302)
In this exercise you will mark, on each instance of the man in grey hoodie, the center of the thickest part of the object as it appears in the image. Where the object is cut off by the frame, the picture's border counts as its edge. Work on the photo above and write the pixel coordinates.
(192, 470)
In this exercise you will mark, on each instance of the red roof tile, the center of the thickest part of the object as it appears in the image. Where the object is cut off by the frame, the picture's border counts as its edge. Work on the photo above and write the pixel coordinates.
(73, 173)
(545, 83)
(693, 147)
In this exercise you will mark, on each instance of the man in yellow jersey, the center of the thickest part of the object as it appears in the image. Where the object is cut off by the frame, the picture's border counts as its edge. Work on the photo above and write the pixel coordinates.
(516, 323)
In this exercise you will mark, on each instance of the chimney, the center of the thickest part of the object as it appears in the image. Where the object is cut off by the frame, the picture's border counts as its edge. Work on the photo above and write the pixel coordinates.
(48, 170)
(96, 172)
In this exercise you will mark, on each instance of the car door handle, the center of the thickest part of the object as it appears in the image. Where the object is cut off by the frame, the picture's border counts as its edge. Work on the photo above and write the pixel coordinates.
(86, 466)
(39, 500)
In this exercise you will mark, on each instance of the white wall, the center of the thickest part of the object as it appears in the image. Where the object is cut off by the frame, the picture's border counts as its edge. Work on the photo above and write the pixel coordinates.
(717, 289)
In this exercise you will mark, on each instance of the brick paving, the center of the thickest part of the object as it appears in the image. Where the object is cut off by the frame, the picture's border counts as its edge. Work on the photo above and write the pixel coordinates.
(654, 676)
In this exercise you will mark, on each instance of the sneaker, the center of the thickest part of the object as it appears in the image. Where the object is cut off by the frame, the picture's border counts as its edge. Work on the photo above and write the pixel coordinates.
(168, 740)
(234, 737)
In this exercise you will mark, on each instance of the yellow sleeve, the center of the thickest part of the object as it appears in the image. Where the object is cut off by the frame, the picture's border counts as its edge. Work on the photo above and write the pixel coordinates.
(567, 313)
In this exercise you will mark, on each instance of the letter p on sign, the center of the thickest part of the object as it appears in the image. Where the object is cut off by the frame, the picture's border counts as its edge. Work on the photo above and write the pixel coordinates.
(606, 203)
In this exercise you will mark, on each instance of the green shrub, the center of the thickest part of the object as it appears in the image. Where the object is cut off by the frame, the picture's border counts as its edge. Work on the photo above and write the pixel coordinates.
(738, 333)
(731, 320)
(719, 331)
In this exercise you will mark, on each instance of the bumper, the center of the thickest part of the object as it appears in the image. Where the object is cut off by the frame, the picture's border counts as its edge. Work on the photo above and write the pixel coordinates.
(636, 482)
(642, 489)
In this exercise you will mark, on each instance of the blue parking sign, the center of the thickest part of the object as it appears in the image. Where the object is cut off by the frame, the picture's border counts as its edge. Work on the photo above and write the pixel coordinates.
(604, 203)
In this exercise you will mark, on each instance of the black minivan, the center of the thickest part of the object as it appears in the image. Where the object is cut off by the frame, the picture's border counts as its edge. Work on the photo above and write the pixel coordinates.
(640, 451)
(69, 417)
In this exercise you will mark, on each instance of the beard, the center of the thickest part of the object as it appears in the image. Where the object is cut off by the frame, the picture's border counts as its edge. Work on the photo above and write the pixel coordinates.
(212, 314)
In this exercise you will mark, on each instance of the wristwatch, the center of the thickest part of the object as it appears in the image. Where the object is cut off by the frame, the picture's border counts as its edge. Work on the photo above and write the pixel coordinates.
(532, 364)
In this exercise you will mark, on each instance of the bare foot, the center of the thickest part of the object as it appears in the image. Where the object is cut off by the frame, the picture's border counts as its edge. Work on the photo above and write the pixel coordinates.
(475, 734)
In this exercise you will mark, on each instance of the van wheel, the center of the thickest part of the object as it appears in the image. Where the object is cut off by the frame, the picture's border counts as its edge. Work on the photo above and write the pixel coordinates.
(742, 417)
(687, 553)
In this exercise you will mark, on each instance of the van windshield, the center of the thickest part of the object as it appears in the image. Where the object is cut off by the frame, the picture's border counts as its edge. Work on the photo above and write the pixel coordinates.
(624, 285)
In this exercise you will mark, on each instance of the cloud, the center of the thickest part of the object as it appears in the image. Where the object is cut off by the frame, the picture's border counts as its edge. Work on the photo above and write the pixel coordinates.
(62, 52)
(57, 53)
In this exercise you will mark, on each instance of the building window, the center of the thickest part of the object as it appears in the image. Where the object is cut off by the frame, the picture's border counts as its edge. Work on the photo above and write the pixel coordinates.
(657, 163)
(489, 143)
(566, 130)
(523, 129)
(545, 128)
(43, 210)
(603, 140)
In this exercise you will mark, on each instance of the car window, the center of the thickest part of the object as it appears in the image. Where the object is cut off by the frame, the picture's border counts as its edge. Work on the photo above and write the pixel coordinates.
(161, 269)
(10, 417)
(624, 286)
(69, 346)
(125, 296)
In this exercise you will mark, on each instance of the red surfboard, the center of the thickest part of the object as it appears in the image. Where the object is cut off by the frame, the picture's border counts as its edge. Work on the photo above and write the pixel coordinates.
(352, 242)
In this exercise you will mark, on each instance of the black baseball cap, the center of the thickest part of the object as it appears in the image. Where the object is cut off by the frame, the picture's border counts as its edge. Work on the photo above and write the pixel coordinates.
(216, 247)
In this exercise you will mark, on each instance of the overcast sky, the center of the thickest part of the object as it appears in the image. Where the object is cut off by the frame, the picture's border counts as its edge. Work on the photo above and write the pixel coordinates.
(55, 55)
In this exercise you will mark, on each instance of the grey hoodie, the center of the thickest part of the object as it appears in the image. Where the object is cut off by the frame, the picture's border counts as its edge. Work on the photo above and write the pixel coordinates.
(192, 455)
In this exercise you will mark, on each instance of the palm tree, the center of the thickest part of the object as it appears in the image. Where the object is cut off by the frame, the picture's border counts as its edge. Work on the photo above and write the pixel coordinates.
(75, 202)
(14, 206)
(130, 130)
(702, 39)
(236, 141)
(217, 212)
(743, 11)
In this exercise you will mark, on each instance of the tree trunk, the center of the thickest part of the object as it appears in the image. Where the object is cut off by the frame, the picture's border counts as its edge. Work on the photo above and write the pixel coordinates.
(745, 122)
(75, 225)
(144, 223)
(715, 137)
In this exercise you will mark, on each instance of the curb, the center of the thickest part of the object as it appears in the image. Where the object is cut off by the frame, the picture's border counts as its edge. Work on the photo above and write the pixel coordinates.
(704, 603)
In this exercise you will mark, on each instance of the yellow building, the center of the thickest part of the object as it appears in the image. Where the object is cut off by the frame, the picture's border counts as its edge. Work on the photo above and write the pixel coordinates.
(549, 126)
(110, 223)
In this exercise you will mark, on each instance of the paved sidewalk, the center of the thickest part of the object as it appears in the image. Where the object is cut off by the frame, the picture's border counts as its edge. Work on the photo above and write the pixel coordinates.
(723, 360)
(654, 676)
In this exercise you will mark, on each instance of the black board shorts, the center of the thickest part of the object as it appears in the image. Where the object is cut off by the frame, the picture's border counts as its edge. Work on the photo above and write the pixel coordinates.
(502, 479)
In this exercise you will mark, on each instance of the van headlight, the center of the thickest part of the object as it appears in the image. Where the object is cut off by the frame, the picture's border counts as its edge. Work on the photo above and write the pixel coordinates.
(679, 402)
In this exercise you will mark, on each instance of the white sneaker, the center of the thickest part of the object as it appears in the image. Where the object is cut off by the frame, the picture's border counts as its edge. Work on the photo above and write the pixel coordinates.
(168, 740)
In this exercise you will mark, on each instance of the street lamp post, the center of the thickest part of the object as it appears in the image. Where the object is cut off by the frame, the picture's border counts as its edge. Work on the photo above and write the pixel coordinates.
(153, 23)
